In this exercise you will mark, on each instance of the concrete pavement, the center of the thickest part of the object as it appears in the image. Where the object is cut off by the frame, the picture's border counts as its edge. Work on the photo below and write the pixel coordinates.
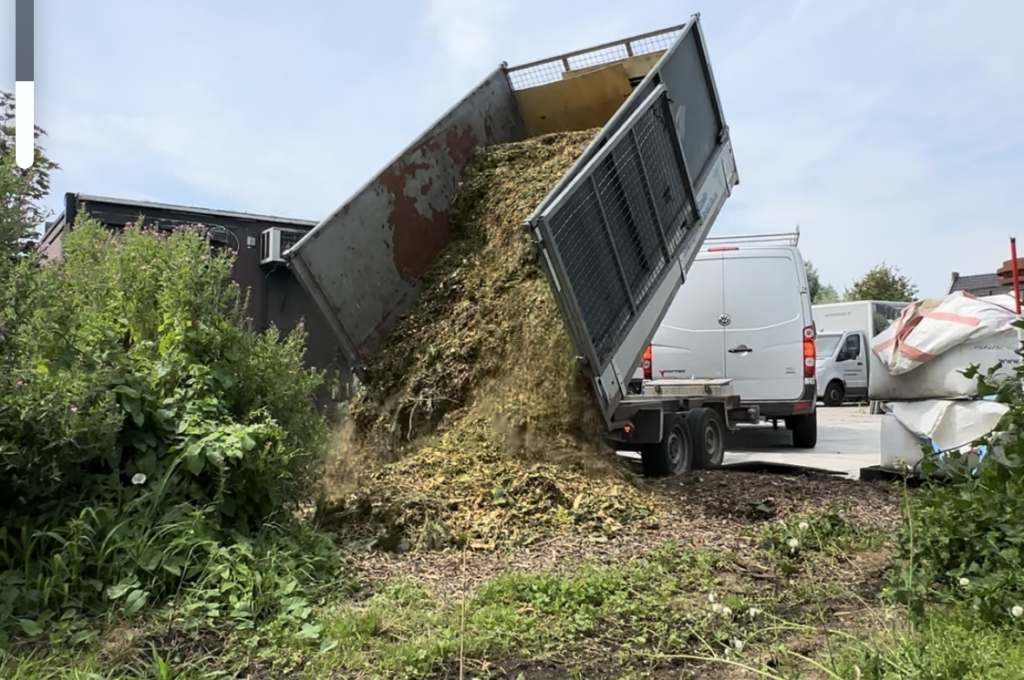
(848, 440)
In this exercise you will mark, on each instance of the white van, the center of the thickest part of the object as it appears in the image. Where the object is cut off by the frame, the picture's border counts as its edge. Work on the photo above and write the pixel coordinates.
(744, 313)
(843, 336)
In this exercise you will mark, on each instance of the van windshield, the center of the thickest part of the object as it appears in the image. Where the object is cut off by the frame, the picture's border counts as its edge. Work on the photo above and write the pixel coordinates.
(826, 344)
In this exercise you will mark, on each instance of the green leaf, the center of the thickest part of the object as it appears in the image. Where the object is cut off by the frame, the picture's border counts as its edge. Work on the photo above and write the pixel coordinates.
(195, 461)
(327, 645)
(309, 631)
(151, 560)
(30, 627)
(173, 566)
(118, 591)
(134, 409)
(81, 636)
(127, 391)
(135, 601)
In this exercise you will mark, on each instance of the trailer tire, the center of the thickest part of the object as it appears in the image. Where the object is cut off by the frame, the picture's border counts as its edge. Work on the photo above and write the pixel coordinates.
(805, 431)
(707, 434)
(673, 455)
(834, 394)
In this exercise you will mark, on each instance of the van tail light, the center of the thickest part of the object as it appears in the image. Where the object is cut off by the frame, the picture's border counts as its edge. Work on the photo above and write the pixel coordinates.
(810, 353)
(646, 363)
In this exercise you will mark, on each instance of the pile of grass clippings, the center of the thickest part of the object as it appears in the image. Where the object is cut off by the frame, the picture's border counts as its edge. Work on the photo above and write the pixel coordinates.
(490, 435)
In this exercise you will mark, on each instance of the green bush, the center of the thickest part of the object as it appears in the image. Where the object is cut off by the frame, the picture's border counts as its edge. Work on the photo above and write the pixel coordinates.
(143, 424)
(962, 542)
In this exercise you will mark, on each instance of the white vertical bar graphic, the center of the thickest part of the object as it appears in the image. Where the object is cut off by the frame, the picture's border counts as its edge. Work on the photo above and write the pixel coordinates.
(24, 124)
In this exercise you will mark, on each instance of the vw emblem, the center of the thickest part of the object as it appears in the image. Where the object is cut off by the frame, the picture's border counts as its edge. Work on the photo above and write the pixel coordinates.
(724, 320)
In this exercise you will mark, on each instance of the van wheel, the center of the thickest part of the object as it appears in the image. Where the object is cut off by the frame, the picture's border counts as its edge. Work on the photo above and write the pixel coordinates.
(805, 431)
(708, 437)
(673, 455)
(834, 394)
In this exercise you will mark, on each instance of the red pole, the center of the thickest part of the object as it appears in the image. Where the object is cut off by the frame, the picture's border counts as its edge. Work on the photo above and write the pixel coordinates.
(1016, 273)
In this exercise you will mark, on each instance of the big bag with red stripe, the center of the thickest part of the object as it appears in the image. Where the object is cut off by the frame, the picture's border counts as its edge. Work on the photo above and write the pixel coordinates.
(921, 355)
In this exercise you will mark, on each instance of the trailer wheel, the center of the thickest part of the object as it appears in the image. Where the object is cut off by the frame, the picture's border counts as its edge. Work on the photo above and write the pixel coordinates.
(673, 455)
(834, 394)
(708, 437)
(805, 431)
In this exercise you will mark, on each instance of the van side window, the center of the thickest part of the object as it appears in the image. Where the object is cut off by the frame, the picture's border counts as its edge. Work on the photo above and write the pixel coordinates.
(851, 347)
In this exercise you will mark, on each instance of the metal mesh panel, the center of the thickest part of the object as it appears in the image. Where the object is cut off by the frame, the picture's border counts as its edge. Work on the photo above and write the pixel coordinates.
(621, 225)
(289, 237)
(550, 70)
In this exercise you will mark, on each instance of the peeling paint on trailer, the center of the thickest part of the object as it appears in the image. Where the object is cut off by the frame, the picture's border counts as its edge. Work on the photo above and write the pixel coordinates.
(363, 264)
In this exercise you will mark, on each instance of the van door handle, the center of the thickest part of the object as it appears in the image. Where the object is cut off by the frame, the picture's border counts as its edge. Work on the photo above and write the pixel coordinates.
(741, 349)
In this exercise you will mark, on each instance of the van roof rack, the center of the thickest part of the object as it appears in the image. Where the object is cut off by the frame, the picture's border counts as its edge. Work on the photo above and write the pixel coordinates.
(774, 239)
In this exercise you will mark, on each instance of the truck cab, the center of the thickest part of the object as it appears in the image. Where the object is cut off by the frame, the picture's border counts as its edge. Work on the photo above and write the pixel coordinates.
(842, 366)
(844, 331)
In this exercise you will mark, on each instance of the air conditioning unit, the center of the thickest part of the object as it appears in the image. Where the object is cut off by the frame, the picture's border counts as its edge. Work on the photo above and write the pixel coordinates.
(275, 241)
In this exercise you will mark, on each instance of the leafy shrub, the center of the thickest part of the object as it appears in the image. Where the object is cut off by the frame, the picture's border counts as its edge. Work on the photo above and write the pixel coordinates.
(963, 536)
(143, 424)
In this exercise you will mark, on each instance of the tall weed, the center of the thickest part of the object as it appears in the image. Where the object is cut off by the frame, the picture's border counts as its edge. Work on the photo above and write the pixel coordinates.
(148, 436)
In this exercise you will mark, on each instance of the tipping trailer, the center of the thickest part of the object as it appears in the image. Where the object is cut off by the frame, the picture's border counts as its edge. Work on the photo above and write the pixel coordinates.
(615, 237)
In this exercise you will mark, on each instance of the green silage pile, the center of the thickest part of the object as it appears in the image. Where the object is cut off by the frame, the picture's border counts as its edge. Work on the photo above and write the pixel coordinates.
(475, 401)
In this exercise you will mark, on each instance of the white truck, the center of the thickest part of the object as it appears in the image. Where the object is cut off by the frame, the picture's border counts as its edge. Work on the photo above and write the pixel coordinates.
(843, 334)
(615, 238)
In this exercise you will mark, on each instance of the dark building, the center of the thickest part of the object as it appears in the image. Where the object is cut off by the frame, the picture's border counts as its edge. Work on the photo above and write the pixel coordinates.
(981, 285)
(275, 295)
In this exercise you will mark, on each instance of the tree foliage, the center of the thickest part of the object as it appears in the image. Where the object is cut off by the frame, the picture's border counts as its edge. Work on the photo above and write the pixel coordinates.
(883, 282)
(21, 191)
(820, 294)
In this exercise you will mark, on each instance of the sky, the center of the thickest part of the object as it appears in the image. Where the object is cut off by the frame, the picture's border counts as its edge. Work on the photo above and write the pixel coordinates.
(888, 131)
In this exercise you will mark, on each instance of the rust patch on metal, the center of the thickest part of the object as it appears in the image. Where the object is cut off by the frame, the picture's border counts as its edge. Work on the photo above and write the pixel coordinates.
(417, 239)
(461, 145)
